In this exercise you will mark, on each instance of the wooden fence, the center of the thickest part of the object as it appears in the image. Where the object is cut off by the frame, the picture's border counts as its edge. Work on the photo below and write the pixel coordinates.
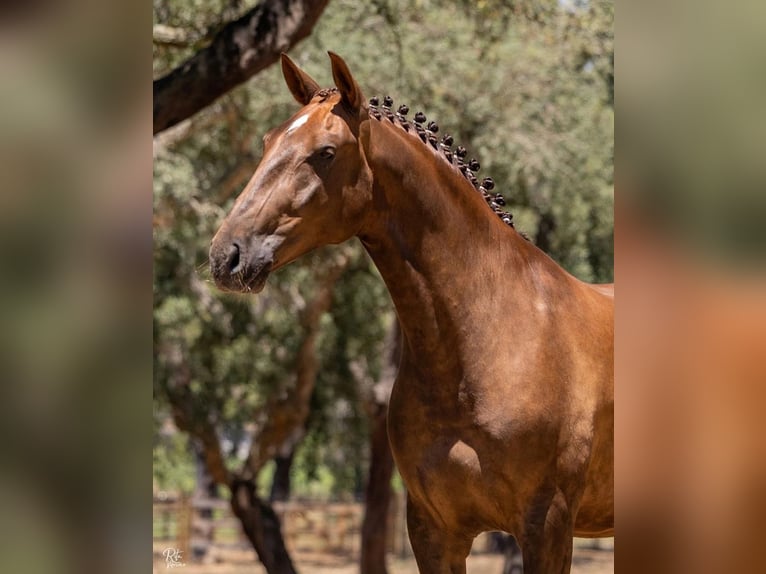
(202, 527)
(207, 530)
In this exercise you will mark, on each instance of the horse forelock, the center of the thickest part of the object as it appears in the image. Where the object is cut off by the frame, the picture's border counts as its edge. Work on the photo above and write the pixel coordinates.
(325, 93)
(305, 114)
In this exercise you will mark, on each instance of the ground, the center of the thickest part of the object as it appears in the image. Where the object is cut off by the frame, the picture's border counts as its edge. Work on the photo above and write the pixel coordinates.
(585, 560)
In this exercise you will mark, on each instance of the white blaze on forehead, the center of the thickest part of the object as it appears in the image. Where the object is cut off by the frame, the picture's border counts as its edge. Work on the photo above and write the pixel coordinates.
(299, 121)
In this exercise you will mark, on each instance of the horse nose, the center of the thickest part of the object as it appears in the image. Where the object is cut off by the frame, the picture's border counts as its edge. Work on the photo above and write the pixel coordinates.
(232, 258)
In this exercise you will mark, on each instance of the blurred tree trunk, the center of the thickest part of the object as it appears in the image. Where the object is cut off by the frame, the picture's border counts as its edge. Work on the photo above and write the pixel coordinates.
(280, 484)
(261, 526)
(513, 563)
(205, 490)
(545, 229)
(377, 498)
(507, 545)
(240, 50)
(378, 493)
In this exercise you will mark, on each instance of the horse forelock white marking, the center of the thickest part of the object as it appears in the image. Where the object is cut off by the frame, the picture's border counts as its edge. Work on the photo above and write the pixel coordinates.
(299, 121)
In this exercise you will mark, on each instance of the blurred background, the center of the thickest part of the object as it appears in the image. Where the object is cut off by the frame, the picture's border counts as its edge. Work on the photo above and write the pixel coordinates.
(83, 434)
(269, 411)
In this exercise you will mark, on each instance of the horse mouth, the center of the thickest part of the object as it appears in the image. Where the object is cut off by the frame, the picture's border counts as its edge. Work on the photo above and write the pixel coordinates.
(242, 265)
(246, 280)
(243, 279)
(254, 282)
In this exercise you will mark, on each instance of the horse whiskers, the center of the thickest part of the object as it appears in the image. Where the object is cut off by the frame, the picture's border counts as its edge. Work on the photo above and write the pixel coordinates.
(205, 265)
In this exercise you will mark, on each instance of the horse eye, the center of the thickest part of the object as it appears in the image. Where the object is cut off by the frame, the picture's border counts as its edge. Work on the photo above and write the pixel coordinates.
(327, 152)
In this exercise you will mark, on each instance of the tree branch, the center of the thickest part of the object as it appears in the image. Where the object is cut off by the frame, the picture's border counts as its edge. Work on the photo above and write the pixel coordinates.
(182, 409)
(171, 36)
(241, 49)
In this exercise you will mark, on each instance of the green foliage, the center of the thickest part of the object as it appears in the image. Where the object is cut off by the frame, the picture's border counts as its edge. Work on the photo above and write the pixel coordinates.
(526, 86)
(173, 463)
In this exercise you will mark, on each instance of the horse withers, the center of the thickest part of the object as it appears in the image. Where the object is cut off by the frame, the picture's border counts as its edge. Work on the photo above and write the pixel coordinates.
(502, 414)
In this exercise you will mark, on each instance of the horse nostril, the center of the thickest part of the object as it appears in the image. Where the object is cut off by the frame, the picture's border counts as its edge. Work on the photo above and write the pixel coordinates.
(232, 258)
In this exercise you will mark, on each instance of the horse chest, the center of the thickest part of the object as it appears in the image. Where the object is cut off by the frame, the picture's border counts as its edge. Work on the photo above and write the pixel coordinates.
(437, 467)
(442, 451)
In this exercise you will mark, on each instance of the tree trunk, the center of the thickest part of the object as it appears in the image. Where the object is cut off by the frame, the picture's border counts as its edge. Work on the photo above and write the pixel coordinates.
(506, 544)
(378, 498)
(513, 563)
(545, 229)
(280, 484)
(261, 526)
(205, 490)
(240, 50)
(378, 493)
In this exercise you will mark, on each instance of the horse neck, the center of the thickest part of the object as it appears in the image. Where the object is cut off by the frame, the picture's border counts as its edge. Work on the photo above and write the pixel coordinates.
(447, 259)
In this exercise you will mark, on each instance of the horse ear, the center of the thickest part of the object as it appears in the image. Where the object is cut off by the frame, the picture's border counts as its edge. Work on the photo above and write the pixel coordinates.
(349, 89)
(300, 84)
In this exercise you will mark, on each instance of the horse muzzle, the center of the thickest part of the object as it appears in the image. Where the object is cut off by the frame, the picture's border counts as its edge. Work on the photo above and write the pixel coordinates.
(243, 266)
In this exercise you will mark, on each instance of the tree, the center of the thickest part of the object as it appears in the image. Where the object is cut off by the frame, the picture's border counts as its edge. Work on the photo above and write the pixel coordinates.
(280, 420)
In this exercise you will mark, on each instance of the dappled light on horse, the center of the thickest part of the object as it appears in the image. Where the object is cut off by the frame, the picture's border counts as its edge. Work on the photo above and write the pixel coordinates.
(501, 417)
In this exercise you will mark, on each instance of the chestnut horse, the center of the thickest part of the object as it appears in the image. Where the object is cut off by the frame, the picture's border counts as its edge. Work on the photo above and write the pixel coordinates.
(502, 414)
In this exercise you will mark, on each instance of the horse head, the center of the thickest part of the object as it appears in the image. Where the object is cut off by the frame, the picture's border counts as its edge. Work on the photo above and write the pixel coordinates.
(312, 186)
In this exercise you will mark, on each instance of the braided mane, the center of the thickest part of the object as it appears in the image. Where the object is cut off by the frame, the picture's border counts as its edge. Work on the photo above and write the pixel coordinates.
(456, 158)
